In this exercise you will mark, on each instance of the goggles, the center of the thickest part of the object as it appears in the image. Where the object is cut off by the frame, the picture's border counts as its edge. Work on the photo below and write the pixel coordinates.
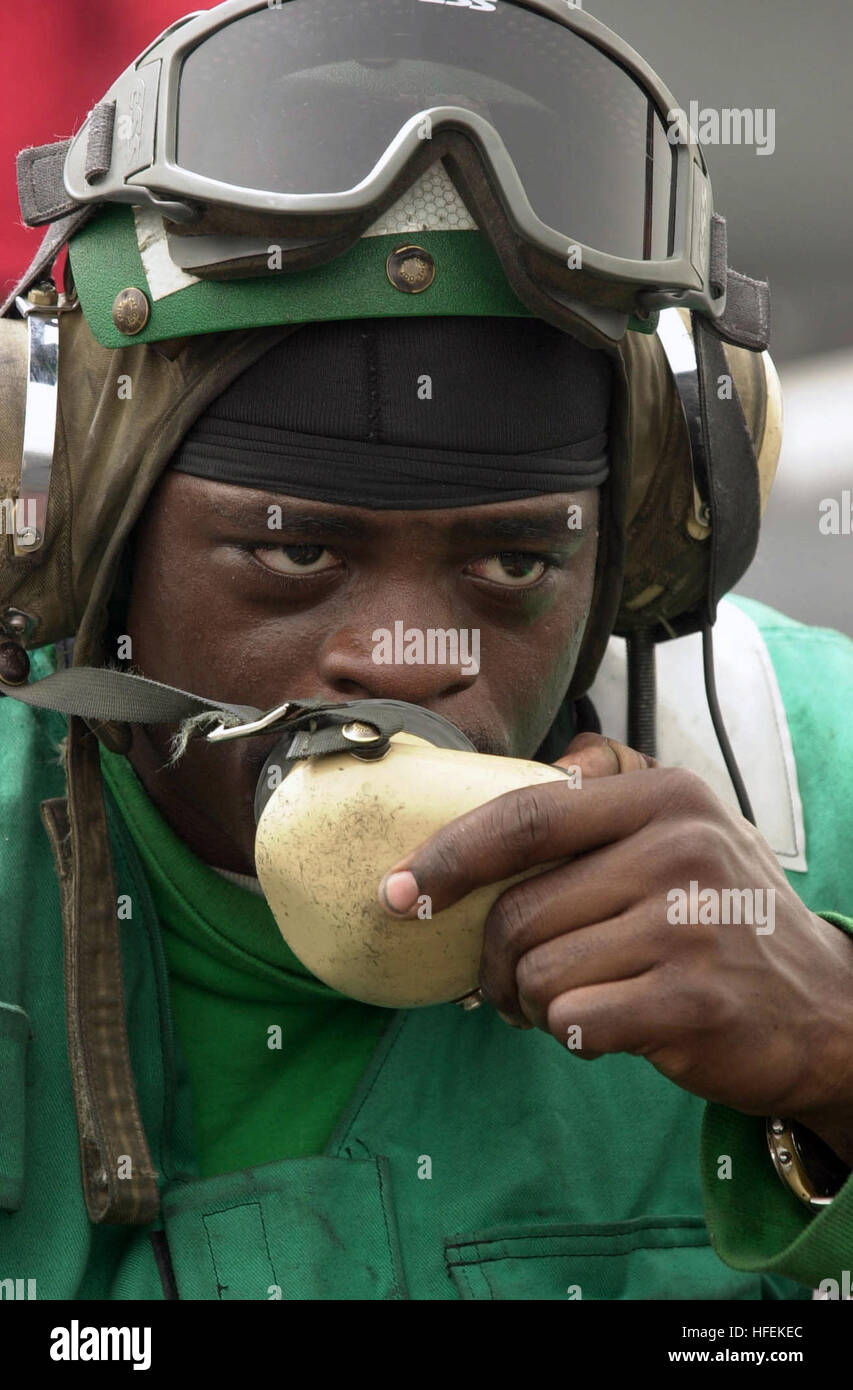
(298, 123)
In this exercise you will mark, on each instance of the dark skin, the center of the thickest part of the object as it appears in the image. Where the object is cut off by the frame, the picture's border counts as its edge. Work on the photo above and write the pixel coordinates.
(224, 606)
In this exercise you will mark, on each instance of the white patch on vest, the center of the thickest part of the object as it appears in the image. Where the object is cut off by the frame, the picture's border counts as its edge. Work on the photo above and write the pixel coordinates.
(163, 276)
(753, 713)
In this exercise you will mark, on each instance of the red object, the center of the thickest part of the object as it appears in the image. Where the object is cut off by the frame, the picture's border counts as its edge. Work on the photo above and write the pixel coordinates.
(58, 61)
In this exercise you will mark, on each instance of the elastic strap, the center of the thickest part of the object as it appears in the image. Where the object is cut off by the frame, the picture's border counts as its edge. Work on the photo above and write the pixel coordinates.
(102, 696)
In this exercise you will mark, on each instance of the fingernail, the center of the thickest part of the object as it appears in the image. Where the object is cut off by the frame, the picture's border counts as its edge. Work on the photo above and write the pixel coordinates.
(399, 891)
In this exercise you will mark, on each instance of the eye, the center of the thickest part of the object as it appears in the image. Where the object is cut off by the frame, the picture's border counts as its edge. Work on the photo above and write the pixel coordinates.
(514, 569)
(295, 559)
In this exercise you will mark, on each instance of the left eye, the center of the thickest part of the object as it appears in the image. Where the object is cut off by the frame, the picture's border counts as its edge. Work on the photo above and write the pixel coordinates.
(514, 569)
(295, 559)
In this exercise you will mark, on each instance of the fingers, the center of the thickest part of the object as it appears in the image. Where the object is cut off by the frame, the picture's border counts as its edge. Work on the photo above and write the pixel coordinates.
(523, 828)
(598, 756)
(602, 953)
(620, 1016)
(576, 919)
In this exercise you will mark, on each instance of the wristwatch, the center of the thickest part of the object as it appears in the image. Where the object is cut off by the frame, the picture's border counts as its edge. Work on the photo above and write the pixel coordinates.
(806, 1165)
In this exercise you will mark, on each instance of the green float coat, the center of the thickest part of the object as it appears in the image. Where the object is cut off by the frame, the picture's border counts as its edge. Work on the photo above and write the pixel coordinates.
(425, 1154)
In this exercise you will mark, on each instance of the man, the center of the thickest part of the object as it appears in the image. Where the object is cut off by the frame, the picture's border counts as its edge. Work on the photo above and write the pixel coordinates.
(304, 1144)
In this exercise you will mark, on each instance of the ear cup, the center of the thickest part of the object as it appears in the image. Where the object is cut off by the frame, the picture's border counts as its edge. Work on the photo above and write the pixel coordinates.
(667, 550)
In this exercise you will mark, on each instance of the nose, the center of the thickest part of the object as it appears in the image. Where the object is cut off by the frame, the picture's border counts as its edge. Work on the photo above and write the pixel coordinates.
(400, 662)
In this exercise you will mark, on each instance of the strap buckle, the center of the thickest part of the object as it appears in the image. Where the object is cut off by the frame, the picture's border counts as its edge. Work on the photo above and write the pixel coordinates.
(254, 726)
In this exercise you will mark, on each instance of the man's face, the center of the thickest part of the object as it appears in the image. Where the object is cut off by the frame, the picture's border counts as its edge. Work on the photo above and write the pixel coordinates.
(226, 607)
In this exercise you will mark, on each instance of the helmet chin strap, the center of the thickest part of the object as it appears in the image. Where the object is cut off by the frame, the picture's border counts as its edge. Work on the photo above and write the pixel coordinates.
(118, 1177)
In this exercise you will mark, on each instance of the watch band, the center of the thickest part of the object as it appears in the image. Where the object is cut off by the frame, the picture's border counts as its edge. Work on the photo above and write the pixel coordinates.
(806, 1165)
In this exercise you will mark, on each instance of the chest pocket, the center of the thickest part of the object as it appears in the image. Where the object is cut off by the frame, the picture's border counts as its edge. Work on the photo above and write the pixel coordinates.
(301, 1228)
(664, 1258)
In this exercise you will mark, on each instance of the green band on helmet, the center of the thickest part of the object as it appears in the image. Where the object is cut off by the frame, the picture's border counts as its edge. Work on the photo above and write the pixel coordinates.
(469, 280)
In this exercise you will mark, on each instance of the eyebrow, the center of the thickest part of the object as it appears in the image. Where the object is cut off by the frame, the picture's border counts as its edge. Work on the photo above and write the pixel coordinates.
(514, 528)
(483, 530)
(308, 523)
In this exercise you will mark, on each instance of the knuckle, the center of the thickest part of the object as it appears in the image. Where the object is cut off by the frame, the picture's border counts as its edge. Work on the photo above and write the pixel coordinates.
(526, 819)
(507, 921)
(711, 841)
(683, 845)
(694, 1010)
(683, 791)
(534, 976)
(696, 842)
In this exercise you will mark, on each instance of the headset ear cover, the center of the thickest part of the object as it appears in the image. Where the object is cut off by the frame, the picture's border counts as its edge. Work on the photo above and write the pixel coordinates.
(667, 549)
(654, 551)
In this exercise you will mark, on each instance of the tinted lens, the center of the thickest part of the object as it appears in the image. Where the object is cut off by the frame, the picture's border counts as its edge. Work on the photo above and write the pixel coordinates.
(306, 97)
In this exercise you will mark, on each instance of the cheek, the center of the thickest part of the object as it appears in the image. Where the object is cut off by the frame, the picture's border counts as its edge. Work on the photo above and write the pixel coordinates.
(542, 659)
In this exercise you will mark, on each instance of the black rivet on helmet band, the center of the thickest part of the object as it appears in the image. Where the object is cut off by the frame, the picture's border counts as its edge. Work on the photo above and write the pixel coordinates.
(410, 269)
(131, 311)
(14, 664)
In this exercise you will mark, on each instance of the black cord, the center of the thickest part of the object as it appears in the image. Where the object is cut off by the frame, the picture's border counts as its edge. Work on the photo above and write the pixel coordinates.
(719, 726)
(642, 692)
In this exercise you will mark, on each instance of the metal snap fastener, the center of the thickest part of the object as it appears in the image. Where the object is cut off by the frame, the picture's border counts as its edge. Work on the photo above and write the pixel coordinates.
(410, 269)
(131, 311)
(357, 732)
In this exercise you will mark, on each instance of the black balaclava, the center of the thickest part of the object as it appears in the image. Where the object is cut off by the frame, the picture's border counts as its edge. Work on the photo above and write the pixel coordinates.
(414, 413)
(411, 413)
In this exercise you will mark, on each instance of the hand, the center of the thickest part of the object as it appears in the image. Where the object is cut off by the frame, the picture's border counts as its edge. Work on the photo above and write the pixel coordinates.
(758, 1017)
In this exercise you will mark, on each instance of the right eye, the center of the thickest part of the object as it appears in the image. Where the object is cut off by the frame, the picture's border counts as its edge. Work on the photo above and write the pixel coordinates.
(295, 561)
